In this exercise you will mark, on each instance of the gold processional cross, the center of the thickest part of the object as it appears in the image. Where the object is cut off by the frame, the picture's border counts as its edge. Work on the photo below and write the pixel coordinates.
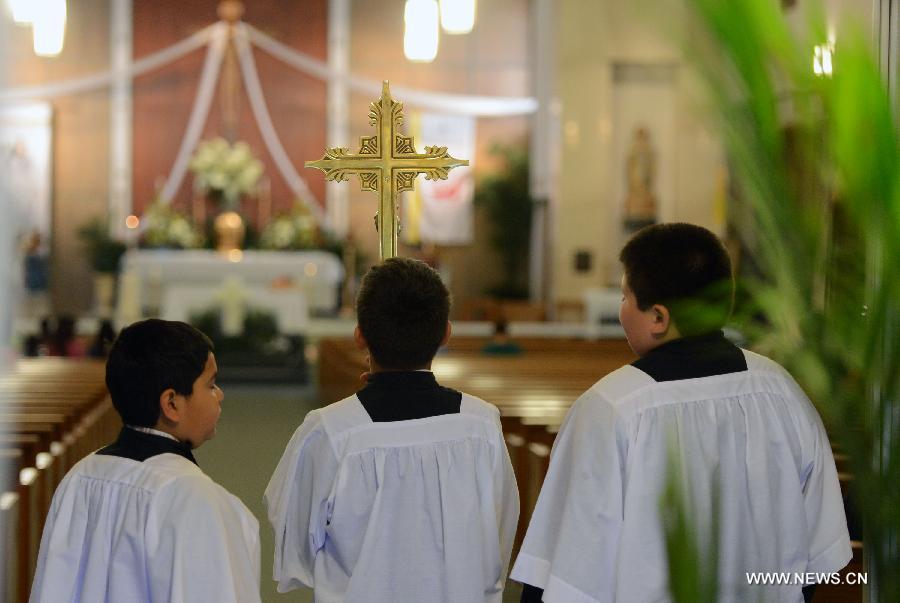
(386, 170)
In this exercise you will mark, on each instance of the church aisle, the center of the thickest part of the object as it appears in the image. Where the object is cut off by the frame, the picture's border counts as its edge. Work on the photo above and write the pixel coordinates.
(256, 424)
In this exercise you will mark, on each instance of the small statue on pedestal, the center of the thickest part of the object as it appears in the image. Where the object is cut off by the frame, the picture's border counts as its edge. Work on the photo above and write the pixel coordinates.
(640, 170)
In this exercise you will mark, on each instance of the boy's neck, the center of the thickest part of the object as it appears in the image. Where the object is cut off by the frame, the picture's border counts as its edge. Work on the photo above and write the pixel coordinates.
(168, 429)
(155, 430)
(375, 368)
(669, 336)
(710, 334)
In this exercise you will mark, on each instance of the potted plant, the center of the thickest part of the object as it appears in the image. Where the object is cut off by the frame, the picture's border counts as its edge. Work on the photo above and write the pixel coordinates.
(816, 158)
(295, 229)
(103, 253)
(165, 227)
(506, 198)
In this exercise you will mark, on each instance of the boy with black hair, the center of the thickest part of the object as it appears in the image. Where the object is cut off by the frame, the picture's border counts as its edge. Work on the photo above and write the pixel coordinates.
(403, 492)
(138, 521)
(750, 446)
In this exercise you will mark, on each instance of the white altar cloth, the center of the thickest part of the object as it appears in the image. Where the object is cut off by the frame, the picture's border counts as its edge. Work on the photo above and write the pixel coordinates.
(288, 305)
(155, 277)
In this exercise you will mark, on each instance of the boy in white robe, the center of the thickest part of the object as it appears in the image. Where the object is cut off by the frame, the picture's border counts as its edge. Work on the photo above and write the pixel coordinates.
(138, 521)
(745, 434)
(403, 492)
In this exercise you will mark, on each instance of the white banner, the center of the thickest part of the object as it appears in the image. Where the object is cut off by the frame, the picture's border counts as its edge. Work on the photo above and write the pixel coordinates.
(446, 213)
(26, 133)
(10, 278)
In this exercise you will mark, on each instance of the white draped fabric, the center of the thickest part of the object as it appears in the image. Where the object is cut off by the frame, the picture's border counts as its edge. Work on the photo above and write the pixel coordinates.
(478, 106)
(200, 111)
(149, 274)
(215, 36)
(270, 136)
(97, 81)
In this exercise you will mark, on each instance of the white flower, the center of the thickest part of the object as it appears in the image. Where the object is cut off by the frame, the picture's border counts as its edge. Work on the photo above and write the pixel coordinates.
(181, 233)
(164, 226)
(249, 175)
(296, 229)
(238, 156)
(233, 170)
(282, 234)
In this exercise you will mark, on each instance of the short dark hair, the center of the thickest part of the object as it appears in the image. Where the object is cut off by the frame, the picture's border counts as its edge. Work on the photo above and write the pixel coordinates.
(402, 309)
(149, 357)
(684, 267)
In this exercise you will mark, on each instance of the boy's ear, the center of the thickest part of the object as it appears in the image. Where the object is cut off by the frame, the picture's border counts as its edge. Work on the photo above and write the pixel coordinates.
(446, 334)
(169, 406)
(661, 319)
(359, 339)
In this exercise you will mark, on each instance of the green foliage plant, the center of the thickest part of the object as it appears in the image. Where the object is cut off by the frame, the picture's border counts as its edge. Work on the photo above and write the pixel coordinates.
(693, 562)
(817, 159)
(508, 203)
(102, 250)
(259, 335)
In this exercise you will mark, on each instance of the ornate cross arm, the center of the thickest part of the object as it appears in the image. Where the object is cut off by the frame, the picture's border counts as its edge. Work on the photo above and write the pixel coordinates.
(386, 171)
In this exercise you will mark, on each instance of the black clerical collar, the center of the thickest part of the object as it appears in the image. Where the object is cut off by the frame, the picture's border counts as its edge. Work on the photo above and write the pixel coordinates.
(140, 446)
(417, 379)
(406, 395)
(692, 358)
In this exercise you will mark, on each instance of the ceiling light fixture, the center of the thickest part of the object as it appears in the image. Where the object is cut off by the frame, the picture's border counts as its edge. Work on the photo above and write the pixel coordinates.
(457, 16)
(420, 38)
(49, 27)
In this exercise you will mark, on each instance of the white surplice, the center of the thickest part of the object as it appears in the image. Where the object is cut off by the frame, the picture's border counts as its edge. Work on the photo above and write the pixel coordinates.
(415, 511)
(596, 534)
(155, 531)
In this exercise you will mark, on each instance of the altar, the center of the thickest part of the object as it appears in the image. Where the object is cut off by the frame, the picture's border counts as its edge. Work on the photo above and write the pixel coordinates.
(173, 284)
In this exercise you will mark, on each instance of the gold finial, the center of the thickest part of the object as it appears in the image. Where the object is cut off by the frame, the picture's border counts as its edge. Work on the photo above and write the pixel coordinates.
(387, 163)
(231, 11)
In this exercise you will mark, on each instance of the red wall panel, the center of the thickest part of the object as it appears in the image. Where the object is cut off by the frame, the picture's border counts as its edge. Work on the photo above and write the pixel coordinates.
(163, 98)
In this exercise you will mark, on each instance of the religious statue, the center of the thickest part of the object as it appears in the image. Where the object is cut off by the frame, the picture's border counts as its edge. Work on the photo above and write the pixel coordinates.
(36, 269)
(640, 170)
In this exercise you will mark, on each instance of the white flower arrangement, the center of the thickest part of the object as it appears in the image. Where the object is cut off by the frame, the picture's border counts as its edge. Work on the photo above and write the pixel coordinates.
(296, 229)
(166, 227)
(229, 170)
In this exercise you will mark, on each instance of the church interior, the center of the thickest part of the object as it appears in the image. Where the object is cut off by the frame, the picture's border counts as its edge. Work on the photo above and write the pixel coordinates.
(154, 163)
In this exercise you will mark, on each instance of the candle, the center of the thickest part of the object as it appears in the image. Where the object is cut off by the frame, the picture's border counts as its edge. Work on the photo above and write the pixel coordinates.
(232, 296)
(264, 204)
(129, 310)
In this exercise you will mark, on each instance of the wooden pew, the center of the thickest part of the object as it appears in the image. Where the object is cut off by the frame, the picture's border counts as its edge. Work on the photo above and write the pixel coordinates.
(11, 506)
(52, 413)
(19, 492)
